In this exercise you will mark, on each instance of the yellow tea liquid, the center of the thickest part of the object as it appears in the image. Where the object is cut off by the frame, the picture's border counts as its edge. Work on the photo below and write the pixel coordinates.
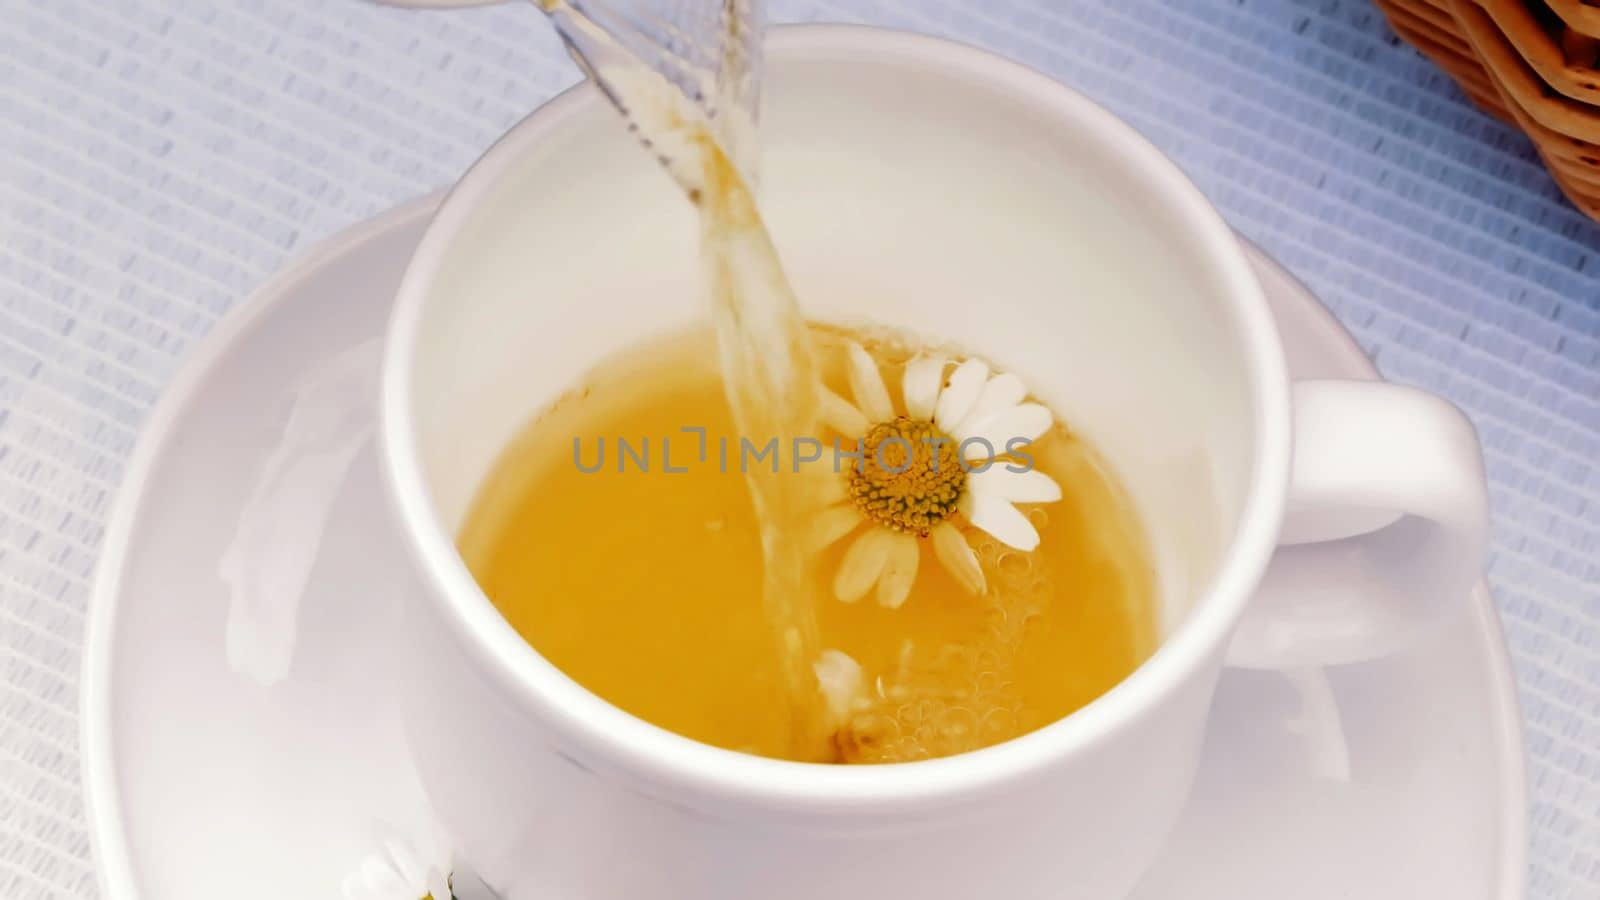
(689, 594)
(768, 374)
(645, 584)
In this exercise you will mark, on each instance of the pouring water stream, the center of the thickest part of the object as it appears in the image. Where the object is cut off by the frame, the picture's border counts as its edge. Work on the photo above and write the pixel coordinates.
(686, 77)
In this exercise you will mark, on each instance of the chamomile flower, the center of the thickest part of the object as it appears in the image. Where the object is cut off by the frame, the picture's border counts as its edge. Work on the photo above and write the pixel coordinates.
(923, 467)
(418, 868)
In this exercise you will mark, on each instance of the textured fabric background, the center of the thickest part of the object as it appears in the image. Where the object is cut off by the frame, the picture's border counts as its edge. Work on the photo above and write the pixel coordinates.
(159, 159)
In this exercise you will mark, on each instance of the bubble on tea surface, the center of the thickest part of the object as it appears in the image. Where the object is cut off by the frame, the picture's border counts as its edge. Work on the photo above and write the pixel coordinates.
(909, 715)
(1014, 565)
(1038, 517)
(996, 618)
(962, 696)
(957, 723)
(987, 660)
(997, 725)
(953, 657)
(987, 682)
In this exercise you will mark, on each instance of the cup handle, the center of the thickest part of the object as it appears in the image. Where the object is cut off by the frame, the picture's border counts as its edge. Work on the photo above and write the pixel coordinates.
(1386, 527)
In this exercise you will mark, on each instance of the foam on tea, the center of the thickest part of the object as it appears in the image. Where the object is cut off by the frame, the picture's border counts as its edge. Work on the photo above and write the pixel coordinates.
(626, 550)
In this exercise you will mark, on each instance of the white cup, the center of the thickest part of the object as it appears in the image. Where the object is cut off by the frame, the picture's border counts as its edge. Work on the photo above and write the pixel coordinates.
(921, 184)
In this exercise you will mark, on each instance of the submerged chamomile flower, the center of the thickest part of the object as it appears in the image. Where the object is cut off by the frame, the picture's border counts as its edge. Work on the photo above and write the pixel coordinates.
(922, 467)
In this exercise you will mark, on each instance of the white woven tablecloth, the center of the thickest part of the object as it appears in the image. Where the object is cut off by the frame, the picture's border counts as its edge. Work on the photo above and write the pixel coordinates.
(159, 159)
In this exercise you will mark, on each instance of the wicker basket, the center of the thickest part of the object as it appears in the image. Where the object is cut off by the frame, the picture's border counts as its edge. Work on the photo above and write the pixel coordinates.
(1534, 63)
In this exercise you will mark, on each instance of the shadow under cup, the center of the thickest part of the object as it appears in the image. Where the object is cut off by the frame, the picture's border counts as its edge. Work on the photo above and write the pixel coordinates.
(948, 195)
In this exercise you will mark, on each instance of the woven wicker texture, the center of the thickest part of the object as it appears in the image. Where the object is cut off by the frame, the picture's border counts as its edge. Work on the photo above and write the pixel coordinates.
(1535, 63)
(1432, 29)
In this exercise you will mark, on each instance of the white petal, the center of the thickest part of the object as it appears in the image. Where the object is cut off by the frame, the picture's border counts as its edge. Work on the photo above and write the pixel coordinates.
(997, 516)
(357, 885)
(439, 885)
(374, 880)
(998, 393)
(953, 551)
(390, 884)
(406, 862)
(862, 564)
(831, 489)
(899, 571)
(832, 524)
(839, 677)
(839, 414)
(438, 850)
(998, 429)
(866, 384)
(924, 376)
(1032, 486)
(959, 396)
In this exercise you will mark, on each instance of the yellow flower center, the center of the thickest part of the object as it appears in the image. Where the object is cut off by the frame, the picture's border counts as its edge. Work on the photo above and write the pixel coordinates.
(909, 476)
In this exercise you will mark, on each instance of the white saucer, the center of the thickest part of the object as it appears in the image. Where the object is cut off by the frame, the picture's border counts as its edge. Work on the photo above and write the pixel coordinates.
(1396, 779)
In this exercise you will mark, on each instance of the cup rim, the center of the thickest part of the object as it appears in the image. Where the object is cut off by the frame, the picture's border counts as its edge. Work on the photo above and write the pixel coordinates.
(661, 762)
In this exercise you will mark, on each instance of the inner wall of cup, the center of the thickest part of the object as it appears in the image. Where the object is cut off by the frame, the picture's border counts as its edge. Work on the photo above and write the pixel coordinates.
(898, 192)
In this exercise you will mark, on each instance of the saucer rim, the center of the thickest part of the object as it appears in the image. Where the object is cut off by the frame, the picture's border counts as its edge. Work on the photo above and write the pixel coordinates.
(108, 846)
(110, 851)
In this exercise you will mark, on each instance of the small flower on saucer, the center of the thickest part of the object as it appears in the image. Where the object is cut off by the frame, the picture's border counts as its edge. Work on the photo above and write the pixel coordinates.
(922, 467)
(415, 869)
